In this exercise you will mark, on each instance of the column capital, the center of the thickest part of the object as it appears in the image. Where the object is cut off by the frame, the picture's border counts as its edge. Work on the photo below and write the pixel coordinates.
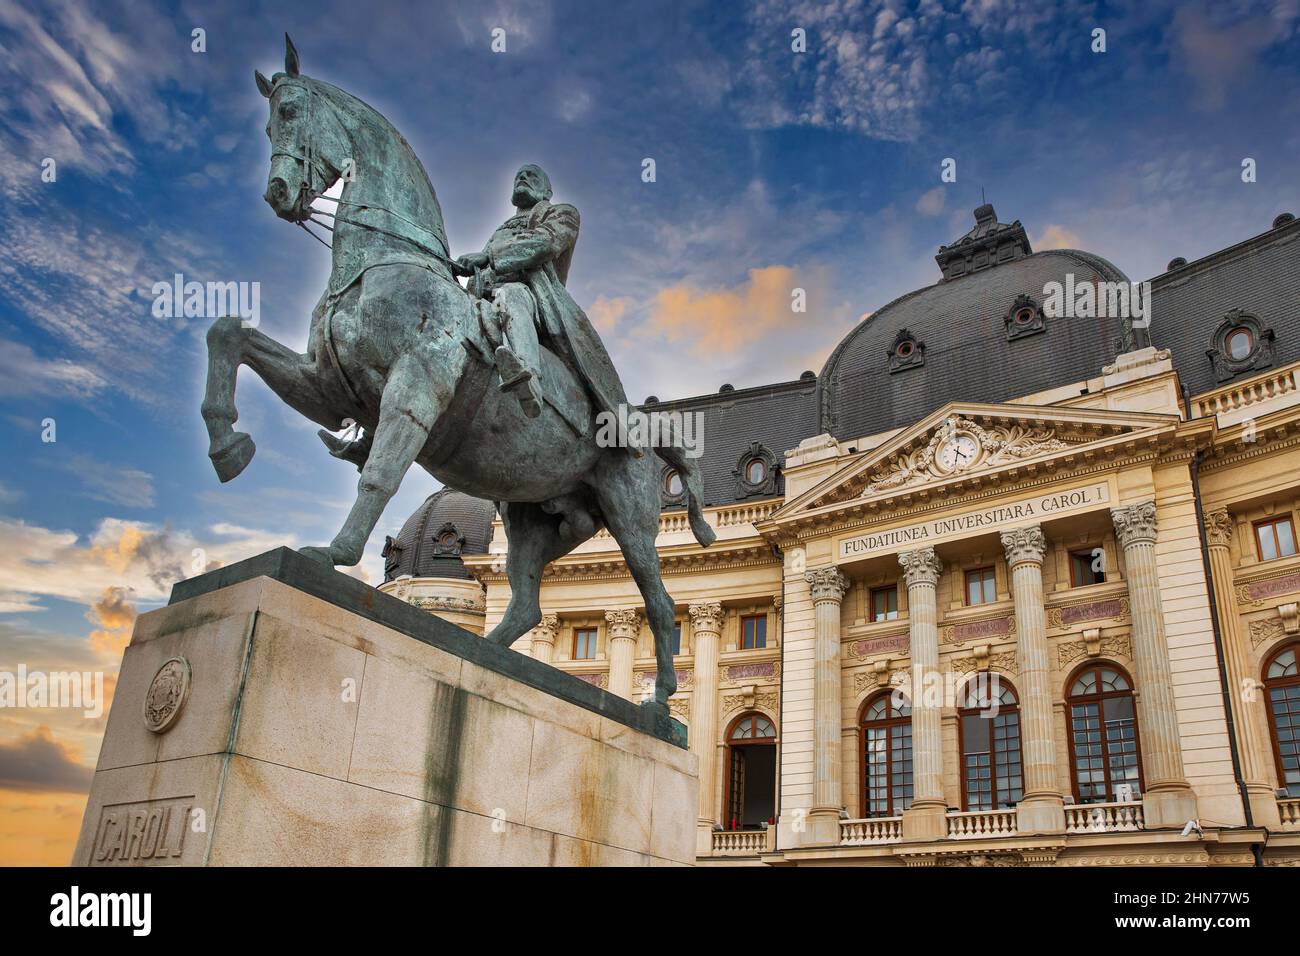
(921, 566)
(1135, 524)
(1024, 545)
(1219, 527)
(625, 623)
(828, 584)
(706, 617)
(548, 630)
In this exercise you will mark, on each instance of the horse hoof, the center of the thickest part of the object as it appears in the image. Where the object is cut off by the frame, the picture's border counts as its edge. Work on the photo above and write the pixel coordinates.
(318, 554)
(232, 454)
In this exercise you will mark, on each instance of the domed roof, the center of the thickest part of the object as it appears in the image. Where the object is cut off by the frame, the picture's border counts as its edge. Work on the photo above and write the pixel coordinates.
(969, 335)
(432, 540)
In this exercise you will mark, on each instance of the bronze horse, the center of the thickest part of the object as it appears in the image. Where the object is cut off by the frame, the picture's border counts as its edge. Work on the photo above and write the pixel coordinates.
(391, 347)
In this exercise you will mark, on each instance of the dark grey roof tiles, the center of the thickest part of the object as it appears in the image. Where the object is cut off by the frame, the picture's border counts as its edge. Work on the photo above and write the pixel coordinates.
(776, 416)
(1259, 276)
(418, 550)
(967, 355)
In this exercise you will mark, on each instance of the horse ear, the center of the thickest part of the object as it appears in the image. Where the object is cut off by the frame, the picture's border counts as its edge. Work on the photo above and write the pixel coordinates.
(290, 57)
(263, 84)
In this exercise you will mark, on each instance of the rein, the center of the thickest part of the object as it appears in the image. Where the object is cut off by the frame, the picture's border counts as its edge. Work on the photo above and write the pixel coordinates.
(312, 168)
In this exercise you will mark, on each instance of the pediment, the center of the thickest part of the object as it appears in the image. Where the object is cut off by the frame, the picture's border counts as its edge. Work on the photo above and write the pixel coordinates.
(964, 444)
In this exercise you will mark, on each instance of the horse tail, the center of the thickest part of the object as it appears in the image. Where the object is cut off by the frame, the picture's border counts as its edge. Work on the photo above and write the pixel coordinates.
(693, 482)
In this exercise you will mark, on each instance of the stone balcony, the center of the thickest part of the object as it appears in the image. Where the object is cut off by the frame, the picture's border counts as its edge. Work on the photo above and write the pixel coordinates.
(996, 824)
(1289, 810)
(743, 842)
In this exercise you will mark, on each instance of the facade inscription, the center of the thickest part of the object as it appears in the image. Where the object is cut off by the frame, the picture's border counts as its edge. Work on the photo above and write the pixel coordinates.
(996, 517)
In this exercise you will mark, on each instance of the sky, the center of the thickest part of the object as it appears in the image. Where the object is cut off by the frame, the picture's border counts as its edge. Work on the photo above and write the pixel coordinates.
(774, 169)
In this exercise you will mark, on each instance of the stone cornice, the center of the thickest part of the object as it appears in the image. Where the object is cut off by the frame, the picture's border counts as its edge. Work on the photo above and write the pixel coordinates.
(1134, 437)
(796, 529)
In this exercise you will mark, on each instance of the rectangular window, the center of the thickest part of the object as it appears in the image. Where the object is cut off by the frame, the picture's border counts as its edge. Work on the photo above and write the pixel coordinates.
(884, 604)
(677, 638)
(1087, 567)
(584, 643)
(980, 587)
(1275, 539)
(753, 631)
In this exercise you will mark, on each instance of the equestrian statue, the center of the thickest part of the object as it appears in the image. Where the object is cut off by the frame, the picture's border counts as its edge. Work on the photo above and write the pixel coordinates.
(493, 389)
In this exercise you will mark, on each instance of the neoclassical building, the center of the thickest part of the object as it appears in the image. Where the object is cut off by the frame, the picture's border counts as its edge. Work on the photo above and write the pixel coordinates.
(996, 587)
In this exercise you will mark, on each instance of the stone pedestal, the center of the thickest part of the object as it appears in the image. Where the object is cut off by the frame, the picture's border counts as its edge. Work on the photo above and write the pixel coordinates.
(280, 713)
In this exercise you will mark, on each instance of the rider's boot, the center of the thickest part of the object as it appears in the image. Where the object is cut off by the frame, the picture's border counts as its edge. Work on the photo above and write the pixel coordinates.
(356, 451)
(517, 378)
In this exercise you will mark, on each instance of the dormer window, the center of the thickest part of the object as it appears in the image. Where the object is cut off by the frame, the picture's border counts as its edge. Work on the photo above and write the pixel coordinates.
(672, 490)
(906, 352)
(755, 471)
(1241, 343)
(1025, 317)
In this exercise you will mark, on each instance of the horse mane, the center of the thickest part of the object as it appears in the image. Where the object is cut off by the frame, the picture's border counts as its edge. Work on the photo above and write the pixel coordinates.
(348, 104)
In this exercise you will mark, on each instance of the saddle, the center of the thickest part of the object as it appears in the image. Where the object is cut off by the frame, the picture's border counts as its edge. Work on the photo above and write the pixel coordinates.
(563, 392)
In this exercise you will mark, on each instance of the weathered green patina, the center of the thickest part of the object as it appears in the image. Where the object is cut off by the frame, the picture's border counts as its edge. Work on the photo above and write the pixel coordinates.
(397, 346)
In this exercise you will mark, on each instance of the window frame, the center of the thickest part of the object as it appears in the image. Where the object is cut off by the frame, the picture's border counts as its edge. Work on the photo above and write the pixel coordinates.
(771, 741)
(1085, 553)
(1271, 524)
(595, 642)
(753, 617)
(965, 711)
(992, 572)
(1100, 697)
(889, 724)
(891, 592)
(1232, 334)
(1269, 685)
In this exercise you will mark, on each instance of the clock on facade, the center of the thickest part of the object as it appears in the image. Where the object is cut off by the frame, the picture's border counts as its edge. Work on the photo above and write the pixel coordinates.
(959, 451)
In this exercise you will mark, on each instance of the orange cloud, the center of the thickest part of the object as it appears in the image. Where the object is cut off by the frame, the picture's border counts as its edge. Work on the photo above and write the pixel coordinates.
(729, 319)
(115, 616)
(605, 312)
(1057, 237)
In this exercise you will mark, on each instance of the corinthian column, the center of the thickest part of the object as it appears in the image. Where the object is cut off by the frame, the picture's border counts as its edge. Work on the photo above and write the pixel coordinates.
(706, 625)
(925, 820)
(544, 634)
(624, 627)
(1169, 800)
(829, 586)
(1247, 712)
(1042, 810)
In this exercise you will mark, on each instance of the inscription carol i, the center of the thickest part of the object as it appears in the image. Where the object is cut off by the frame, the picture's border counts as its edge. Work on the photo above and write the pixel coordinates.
(142, 833)
(976, 522)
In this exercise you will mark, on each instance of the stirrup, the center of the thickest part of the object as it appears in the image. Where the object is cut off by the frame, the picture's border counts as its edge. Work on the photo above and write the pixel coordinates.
(520, 380)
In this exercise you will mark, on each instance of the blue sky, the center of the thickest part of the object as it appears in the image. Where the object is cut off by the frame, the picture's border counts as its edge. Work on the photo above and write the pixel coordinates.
(774, 169)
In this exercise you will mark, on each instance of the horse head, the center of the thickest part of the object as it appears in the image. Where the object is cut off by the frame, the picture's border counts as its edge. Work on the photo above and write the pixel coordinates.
(309, 146)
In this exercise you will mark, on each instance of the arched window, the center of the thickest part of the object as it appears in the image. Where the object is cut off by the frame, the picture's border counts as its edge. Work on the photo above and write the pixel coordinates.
(1282, 684)
(886, 756)
(1105, 757)
(672, 483)
(751, 773)
(991, 776)
(755, 471)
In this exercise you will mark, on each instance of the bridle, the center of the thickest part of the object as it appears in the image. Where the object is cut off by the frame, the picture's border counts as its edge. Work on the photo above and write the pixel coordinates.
(312, 167)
